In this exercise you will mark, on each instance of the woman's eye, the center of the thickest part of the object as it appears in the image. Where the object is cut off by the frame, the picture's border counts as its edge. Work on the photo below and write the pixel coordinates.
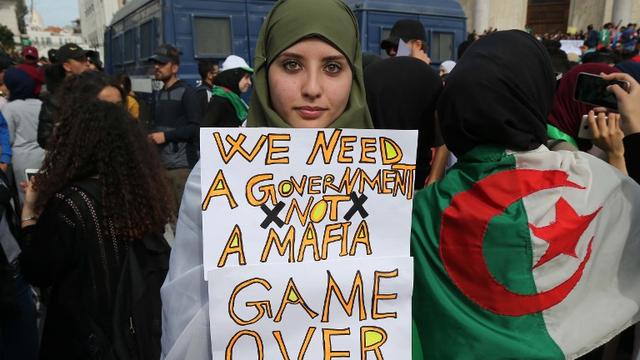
(291, 65)
(333, 68)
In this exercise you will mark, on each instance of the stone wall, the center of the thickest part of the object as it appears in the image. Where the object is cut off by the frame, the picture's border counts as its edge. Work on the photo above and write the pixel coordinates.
(585, 12)
(508, 14)
(467, 7)
(8, 17)
(512, 14)
(504, 14)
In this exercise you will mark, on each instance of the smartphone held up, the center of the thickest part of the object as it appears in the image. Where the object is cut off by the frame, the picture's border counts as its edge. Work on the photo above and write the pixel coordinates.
(592, 89)
(29, 173)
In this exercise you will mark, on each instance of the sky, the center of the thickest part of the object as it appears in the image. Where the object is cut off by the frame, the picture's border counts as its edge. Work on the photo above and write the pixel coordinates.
(56, 12)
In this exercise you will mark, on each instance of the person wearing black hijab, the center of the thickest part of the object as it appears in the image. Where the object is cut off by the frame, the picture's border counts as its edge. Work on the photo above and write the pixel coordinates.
(473, 111)
(476, 235)
(226, 108)
(402, 93)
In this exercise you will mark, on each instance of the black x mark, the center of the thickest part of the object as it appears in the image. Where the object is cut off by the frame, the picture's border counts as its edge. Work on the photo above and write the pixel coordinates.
(357, 206)
(272, 215)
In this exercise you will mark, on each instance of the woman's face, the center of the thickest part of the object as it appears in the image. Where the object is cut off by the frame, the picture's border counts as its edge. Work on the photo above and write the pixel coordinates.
(245, 83)
(309, 84)
(110, 94)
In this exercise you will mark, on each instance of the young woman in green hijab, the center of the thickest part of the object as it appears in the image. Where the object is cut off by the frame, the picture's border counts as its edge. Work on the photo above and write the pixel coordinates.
(308, 73)
(308, 54)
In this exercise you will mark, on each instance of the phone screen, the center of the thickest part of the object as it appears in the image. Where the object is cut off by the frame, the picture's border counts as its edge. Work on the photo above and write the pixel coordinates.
(29, 173)
(592, 89)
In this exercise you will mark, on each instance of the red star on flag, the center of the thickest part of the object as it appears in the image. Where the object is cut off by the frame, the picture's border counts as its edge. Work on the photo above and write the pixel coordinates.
(564, 233)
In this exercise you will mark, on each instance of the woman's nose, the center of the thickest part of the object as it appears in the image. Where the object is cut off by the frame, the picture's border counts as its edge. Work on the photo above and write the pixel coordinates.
(312, 88)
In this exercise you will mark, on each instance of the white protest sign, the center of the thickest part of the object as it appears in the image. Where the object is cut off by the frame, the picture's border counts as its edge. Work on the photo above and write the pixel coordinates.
(358, 309)
(571, 46)
(305, 195)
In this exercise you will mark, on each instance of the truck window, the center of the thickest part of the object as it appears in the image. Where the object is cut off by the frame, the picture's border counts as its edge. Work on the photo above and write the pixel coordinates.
(117, 50)
(147, 39)
(129, 45)
(441, 46)
(211, 37)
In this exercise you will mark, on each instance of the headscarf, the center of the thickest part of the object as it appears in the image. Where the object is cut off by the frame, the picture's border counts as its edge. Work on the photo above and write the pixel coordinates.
(230, 79)
(448, 66)
(499, 93)
(402, 93)
(630, 67)
(20, 84)
(566, 113)
(291, 21)
(227, 85)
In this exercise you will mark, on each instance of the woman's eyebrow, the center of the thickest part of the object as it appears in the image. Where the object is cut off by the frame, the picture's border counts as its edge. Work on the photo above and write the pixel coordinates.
(290, 55)
(334, 58)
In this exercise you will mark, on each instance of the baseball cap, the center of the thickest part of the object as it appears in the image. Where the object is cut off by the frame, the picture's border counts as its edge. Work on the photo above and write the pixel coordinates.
(405, 29)
(235, 62)
(70, 51)
(30, 52)
(51, 54)
(94, 57)
(166, 53)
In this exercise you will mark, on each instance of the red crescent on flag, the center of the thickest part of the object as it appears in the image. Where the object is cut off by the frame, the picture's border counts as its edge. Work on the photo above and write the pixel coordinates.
(464, 224)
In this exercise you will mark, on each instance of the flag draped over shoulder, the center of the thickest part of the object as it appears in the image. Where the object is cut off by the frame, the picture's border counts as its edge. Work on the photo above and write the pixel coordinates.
(528, 255)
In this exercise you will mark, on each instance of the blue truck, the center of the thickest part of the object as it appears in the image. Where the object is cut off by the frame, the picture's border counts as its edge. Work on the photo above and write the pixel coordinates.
(214, 29)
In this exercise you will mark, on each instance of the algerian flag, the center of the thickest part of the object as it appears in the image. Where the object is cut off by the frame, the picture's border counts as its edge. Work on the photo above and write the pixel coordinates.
(531, 255)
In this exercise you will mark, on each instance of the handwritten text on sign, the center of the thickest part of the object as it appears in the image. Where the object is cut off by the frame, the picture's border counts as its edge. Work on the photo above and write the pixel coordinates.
(357, 309)
(306, 242)
(301, 195)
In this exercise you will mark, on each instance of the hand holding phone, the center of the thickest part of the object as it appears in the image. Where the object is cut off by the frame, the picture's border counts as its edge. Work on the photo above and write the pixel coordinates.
(585, 132)
(628, 101)
(29, 173)
(592, 89)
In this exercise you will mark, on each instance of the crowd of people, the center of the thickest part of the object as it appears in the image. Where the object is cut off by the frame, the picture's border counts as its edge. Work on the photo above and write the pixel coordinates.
(85, 268)
(612, 43)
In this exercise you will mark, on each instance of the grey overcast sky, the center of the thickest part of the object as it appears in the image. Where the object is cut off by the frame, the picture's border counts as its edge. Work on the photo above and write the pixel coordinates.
(56, 12)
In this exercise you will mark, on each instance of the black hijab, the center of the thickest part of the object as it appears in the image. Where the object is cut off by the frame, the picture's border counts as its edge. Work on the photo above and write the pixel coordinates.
(499, 93)
(402, 93)
(21, 86)
(230, 79)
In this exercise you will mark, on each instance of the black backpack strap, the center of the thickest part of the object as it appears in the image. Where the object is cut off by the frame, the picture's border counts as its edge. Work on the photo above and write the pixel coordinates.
(9, 201)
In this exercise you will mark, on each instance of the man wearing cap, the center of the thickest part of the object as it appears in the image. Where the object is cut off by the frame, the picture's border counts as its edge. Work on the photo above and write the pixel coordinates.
(176, 119)
(30, 66)
(71, 59)
(413, 34)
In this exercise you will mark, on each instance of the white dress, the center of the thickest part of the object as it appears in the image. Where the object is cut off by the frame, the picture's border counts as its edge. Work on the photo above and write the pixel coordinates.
(185, 301)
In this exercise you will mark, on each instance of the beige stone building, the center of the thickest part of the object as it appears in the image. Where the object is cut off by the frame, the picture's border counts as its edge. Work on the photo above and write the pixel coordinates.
(548, 15)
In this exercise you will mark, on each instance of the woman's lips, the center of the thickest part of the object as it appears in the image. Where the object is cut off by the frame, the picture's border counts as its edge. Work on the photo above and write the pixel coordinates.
(310, 112)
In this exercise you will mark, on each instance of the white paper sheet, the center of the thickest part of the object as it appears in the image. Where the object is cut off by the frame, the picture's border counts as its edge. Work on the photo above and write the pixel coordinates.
(295, 310)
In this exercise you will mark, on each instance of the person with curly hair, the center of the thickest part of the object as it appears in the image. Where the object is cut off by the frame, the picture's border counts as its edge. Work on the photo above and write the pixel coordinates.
(75, 240)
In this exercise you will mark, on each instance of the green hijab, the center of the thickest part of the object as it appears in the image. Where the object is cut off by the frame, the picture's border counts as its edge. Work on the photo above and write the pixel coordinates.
(291, 21)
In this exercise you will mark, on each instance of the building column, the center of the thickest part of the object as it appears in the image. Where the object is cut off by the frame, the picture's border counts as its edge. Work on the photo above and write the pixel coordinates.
(622, 11)
(481, 11)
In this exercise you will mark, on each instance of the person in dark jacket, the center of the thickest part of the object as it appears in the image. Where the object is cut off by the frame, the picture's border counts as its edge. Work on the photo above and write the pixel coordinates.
(208, 70)
(176, 119)
(71, 59)
(95, 196)
(226, 108)
(401, 94)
